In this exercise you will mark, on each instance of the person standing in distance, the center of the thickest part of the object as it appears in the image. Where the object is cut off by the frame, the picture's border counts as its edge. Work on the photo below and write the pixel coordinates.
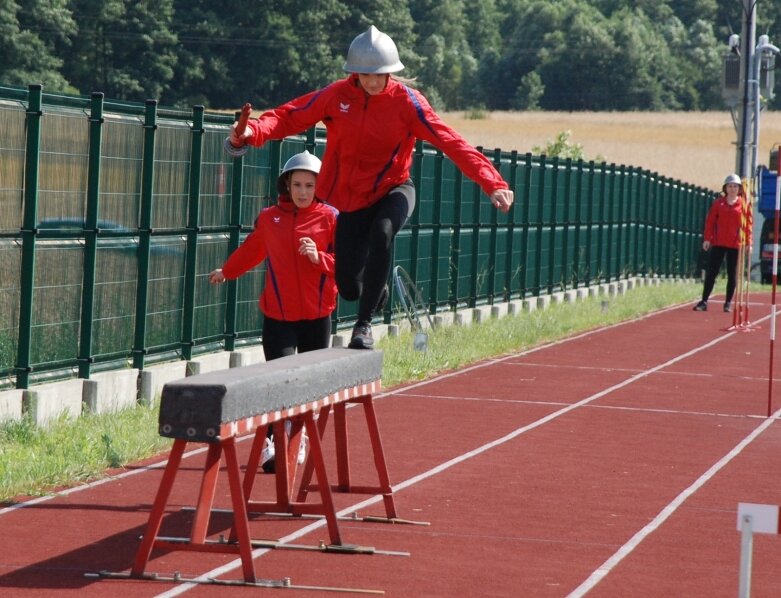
(722, 238)
(372, 121)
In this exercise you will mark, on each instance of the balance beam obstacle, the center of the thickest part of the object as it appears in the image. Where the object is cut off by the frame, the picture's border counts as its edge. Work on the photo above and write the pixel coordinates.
(217, 407)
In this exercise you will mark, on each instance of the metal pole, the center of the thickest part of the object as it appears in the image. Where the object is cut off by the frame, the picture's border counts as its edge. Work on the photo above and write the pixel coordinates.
(193, 221)
(234, 240)
(748, 41)
(145, 233)
(746, 545)
(775, 284)
(29, 232)
(91, 236)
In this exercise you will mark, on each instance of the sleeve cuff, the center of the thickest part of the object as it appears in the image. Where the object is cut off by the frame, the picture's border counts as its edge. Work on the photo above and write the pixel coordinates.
(233, 151)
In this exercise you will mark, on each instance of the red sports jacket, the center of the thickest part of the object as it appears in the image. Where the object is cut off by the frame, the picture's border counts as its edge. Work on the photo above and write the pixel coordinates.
(371, 140)
(295, 288)
(722, 225)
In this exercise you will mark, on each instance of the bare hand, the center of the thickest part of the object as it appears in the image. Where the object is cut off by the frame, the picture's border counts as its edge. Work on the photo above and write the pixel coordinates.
(706, 245)
(308, 248)
(502, 199)
(216, 276)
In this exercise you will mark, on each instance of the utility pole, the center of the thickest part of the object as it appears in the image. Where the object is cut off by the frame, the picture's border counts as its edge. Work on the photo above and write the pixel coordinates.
(747, 42)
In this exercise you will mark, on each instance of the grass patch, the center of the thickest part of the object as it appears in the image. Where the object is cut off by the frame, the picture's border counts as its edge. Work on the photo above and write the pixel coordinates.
(34, 461)
(453, 347)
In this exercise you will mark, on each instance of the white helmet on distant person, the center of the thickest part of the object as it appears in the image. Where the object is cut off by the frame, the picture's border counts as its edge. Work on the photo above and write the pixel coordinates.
(302, 161)
(373, 53)
(733, 178)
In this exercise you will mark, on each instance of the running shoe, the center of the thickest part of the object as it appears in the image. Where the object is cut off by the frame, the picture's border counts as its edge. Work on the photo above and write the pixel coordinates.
(362, 336)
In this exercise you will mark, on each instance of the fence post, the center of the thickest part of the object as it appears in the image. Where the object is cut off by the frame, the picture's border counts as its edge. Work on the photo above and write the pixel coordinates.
(91, 235)
(193, 217)
(667, 220)
(576, 265)
(508, 278)
(610, 222)
(602, 272)
(631, 218)
(455, 246)
(234, 239)
(677, 247)
(417, 176)
(646, 203)
(621, 232)
(565, 261)
(527, 191)
(554, 195)
(475, 241)
(658, 238)
(493, 236)
(540, 203)
(29, 232)
(436, 232)
(590, 221)
(145, 232)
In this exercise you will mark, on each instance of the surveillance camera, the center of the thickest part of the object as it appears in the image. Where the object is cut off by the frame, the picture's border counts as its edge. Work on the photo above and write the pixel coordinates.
(734, 41)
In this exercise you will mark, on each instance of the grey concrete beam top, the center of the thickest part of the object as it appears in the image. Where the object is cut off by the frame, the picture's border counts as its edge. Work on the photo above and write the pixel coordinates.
(201, 407)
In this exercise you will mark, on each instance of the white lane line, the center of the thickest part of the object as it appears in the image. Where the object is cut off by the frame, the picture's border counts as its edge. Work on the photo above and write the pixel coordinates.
(233, 565)
(625, 550)
(526, 403)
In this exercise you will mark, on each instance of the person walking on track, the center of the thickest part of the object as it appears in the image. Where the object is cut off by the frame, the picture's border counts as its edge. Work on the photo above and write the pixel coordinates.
(296, 238)
(372, 121)
(722, 238)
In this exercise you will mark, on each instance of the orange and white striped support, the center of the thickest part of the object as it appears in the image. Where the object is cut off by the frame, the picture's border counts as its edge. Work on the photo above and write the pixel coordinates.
(239, 541)
(740, 314)
(199, 409)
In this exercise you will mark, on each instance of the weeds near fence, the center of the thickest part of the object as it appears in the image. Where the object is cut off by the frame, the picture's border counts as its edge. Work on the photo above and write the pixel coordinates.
(453, 347)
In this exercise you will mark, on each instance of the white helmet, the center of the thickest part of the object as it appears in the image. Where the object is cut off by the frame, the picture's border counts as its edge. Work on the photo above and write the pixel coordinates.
(733, 178)
(302, 161)
(372, 52)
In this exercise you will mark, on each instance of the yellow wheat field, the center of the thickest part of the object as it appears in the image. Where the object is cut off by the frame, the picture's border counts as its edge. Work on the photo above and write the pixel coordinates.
(695, 147)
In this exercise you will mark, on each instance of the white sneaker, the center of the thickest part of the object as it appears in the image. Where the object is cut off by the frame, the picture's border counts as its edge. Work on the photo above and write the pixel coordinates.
(302, 448)
(267, 455)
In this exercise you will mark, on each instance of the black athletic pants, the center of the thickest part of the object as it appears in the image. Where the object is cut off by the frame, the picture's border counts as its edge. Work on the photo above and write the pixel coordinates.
(364, 247)
(716, 256)
(282, 338)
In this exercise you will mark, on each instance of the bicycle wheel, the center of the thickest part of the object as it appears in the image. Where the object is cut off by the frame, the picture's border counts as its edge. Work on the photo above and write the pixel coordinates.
(411, 300)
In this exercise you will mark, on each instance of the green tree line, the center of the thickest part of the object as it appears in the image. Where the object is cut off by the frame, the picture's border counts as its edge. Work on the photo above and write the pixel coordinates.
(492, 54)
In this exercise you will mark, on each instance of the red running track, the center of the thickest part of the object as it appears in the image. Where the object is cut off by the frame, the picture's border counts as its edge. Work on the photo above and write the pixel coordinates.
(609, 464)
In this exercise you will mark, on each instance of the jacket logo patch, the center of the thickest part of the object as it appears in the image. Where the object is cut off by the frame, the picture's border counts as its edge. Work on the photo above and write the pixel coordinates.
(344, 107)
(277, 219)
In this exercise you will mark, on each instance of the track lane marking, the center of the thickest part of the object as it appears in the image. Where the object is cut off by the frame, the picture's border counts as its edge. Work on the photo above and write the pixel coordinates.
(600, 572)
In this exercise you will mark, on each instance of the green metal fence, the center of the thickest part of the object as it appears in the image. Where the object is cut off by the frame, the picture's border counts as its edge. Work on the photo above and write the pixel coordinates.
(112, 215)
